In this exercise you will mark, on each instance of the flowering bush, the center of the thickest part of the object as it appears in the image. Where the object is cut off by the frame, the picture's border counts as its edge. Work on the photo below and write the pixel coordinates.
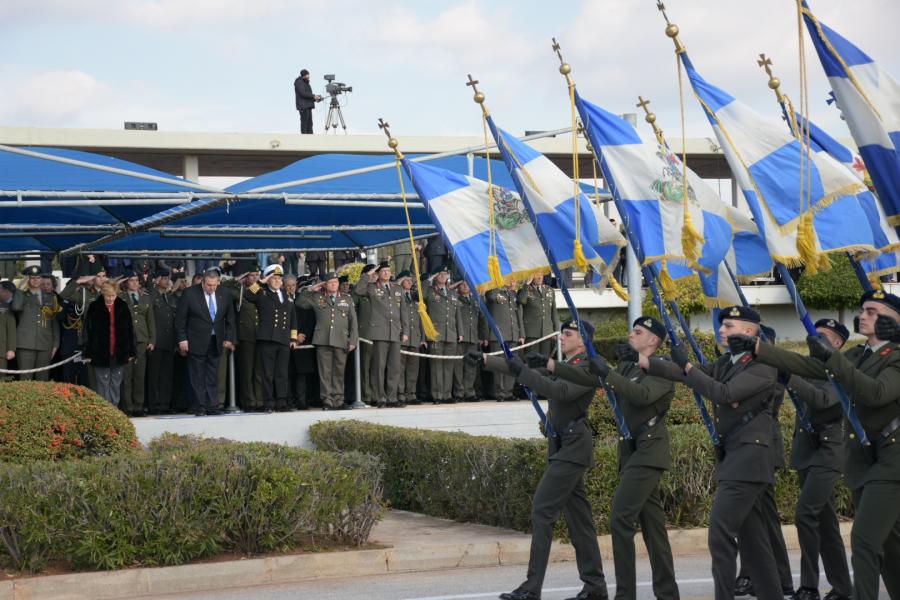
(54, 421)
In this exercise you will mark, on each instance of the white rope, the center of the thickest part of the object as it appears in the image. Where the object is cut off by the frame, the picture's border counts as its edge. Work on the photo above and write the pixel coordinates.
(461, 357)
(39, 369)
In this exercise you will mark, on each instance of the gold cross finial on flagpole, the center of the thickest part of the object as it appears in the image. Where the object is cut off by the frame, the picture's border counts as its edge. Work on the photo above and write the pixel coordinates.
(479, 96)
(671, 28)
(564, 67)
(393, 144)
(651, 118)
(774, 83)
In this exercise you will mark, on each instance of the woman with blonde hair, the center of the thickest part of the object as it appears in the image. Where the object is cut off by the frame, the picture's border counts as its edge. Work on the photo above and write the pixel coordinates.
(108, 341)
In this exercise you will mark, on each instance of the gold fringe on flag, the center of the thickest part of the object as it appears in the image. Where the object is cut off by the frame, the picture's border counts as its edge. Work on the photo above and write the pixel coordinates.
(617, 287)
(665, 280)
(578, 255)
(806, 243)
(691, 239)
(494, 271)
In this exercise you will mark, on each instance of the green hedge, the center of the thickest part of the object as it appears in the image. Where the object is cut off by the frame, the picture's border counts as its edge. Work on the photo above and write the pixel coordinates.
(491, 480)
(53, 421)
(184, 499)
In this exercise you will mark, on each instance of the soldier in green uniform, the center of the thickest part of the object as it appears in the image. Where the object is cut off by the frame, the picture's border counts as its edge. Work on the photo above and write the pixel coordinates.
(570, 455)
(7, 334)
(143, 319)
(77, 295)
(442, 305)
(740, 389)
(387, 329)
(468, 324)
(506, 311)
(364, 318)
(817, 455)
(870, 374)
(160, 360)
(248, 382)
(539, 316)
(645, 400)
(414, 341)
(37, 334)
(335, 335)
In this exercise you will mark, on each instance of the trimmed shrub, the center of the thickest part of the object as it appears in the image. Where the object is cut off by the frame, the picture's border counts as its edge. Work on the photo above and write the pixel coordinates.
(491, 480)
(54, 421)
(834, 289)
(184, 499)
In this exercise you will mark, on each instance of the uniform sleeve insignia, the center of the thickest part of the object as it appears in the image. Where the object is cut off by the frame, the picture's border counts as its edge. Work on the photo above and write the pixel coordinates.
(887, 350)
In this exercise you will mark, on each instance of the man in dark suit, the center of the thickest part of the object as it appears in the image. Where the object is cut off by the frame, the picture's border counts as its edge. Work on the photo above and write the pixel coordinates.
(204, 325)
(305, 100)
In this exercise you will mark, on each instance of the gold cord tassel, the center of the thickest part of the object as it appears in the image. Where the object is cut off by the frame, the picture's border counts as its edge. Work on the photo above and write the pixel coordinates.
(665, 280)
(691, 239)
(579, 257)
(806, 244)
(427, 325)
(494, 271)
(617, 288)
(875, 281)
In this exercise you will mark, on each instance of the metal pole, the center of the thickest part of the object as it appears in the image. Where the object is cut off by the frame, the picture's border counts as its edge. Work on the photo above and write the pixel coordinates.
(232, 393)
(633, 274)
(470, 161)
(559, 355)
(357, 380)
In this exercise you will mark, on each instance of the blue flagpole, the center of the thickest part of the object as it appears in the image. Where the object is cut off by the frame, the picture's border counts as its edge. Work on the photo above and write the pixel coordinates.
(860, 274)
(484, 310)
(588, 342)
(811, 330)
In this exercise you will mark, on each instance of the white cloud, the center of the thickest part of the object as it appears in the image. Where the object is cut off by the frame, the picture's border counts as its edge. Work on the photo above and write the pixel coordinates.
(52, 98)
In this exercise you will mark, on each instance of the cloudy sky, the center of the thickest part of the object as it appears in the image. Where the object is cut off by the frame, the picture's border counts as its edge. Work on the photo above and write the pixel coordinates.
(229, 65)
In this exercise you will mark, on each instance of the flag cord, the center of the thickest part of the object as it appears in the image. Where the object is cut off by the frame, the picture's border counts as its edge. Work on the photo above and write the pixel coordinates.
(427, 325)
(493, 260)
(577, 251)
(690, 236)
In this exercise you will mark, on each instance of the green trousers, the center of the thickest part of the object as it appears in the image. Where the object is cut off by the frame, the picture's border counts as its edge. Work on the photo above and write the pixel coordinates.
(637, 500)
(875, 539)
(33, 359)
(561, 489)
(819, 532)
(769, 511)
(134, 381)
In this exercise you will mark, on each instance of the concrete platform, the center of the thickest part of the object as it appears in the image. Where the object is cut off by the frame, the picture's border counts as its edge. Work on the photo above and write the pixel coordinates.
(508, 419)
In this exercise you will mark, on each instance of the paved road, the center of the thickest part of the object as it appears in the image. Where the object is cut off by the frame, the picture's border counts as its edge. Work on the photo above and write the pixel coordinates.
(471, 584)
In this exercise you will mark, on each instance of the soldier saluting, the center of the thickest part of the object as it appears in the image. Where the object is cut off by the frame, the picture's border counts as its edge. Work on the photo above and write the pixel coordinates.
(335, 335)
(37, 334)
(870, 374)
(570, 454)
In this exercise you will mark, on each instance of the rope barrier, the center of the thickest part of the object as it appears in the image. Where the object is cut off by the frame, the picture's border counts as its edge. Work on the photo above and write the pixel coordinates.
(39, 369)
(460, 357)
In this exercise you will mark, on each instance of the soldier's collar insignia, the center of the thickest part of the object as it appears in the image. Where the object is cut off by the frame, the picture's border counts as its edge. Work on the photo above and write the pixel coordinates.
(745, 358)
(576, 360)
(885, 351)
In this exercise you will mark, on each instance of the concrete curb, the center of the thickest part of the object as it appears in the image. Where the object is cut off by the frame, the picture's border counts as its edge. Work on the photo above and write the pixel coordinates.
(132, 583)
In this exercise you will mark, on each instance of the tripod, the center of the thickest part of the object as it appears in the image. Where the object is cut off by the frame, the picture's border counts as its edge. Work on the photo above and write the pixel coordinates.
(334, 115)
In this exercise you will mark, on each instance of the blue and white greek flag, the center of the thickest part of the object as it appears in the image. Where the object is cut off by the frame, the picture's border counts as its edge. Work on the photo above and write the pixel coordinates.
(646, 182)
(869, 99)
(765, 159)
(549, 195)
(459, 207)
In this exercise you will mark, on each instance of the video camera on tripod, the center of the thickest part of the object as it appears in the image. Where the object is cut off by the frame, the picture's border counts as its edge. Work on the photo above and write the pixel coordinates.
(334, 89)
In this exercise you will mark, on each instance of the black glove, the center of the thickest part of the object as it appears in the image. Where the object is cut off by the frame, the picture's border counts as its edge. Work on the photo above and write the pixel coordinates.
(515, 365)
(680, 356)
(474, 357)
(887, 329)
(598, 366)
(739, 342)
(624, 352)
(819, 347)
(536, 360)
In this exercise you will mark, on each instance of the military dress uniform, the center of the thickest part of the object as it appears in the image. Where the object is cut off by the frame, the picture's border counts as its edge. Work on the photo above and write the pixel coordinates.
(468, 326)
(740, 389)
(248, 379)
(442, 305)
(386, 328)
(75, 300)
(409, 365)
(871, 378)
(276, 329)
(506, 311)
(7, 336)
(570, 454)
(161, 360)
(817, 456)
(539, 316)
(364, 319)
(336, 330)
(37, 334)
(143, 319)
(644, 400)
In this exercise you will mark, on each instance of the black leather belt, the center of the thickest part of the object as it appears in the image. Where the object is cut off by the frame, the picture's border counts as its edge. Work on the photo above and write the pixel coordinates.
(744, 420)
(891, 427)
(644, 427)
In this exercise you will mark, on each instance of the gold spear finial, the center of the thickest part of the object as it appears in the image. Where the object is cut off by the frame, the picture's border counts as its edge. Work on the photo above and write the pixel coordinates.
(479, 96)
(564, 67)
(671, 28)
(393, 144)
(774, 83)
(651, 118)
